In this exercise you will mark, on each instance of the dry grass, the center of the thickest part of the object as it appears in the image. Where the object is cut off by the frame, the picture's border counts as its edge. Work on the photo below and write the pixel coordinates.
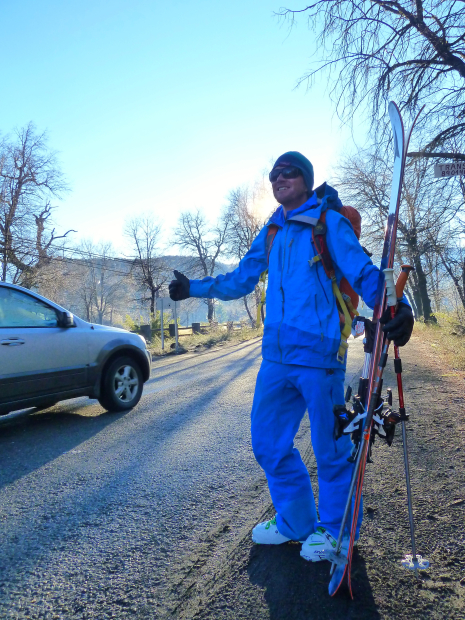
(447, 338)
(200, 342)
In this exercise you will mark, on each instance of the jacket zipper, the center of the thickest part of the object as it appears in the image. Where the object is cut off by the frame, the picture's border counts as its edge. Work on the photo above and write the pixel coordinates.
(282, 291)
(319, 320)
(289, 261)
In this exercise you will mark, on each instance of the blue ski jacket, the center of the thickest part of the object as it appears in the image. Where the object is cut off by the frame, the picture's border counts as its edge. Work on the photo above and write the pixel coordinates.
(302, 320)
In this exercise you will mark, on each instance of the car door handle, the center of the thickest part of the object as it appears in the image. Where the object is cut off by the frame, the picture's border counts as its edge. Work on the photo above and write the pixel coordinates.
(12, 342)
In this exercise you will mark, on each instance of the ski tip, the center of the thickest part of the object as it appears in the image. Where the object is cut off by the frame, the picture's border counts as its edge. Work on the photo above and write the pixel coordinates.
(337, 579)
(393, 111)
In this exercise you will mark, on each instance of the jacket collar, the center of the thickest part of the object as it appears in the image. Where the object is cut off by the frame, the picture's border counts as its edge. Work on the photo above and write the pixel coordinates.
(324, 197)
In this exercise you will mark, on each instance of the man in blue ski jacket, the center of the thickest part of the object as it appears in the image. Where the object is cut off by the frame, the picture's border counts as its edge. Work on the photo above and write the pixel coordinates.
(300, 369)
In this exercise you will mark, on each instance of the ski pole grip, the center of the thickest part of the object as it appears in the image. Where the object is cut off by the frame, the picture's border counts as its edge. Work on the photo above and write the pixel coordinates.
(402, 280)
(390, 287)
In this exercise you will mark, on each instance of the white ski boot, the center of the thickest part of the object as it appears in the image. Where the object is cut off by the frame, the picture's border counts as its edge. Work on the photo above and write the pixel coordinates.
(319, 543)
(267, 533)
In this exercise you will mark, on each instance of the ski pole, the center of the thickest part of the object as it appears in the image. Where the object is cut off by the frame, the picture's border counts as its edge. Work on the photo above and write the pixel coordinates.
(395, 293)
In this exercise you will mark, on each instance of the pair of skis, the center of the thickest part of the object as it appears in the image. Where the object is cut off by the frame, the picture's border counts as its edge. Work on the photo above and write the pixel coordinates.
(369, 405)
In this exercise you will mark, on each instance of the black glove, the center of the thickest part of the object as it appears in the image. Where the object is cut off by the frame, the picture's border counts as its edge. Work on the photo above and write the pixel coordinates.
(179, 288)
(400, 327)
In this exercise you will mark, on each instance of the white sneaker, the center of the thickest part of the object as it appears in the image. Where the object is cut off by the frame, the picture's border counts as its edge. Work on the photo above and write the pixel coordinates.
(317, 544)
(267, 533)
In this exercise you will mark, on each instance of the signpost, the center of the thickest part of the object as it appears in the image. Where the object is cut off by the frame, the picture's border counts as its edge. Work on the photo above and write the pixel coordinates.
(453, 169)
(166, 303)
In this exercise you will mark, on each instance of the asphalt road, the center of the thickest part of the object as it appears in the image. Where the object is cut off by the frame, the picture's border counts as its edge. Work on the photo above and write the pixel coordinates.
(119, 515)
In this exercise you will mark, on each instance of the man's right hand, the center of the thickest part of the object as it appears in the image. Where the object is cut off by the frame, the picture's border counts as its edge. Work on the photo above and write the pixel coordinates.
(179, 288)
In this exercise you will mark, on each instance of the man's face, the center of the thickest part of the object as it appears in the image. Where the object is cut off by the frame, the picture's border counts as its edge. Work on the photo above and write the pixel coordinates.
(289, 191)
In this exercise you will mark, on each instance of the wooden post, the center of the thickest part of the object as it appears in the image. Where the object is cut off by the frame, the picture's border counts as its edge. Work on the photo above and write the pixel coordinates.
(176, 327)
(162, 330)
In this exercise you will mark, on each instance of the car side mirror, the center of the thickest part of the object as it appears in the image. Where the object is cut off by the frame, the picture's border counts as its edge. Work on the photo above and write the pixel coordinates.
(65, 319)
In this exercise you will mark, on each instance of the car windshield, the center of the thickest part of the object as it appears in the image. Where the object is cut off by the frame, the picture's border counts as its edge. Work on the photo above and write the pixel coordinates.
(20, 310)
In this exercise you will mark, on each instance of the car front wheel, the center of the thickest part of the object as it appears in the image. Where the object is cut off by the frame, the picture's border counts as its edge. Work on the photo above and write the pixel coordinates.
(122, 385)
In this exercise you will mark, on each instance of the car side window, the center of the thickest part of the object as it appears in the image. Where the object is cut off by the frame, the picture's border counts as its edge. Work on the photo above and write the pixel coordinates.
(20, 310)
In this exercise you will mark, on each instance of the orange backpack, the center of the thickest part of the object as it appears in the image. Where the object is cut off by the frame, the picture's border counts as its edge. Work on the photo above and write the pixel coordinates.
(319, 239)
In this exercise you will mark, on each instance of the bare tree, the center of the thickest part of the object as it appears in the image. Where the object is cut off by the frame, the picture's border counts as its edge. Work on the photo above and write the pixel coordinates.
(452, 258)
(203, 243)
(244, 223)
(30, 178)
(103, 281)
(412, 50)
(149, 270)
(429, 214)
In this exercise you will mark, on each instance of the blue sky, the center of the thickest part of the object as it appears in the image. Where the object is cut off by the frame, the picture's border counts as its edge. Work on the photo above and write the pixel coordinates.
(161, 107)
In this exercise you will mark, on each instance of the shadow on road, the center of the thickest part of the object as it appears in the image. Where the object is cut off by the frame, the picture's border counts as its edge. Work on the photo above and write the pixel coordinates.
(295, 589)
(28, 443)
(172, 360)
(43, 436)
(196, 363)
(26, 448)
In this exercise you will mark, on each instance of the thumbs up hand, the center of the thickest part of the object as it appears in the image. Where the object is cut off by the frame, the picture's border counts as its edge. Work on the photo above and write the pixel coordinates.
(179, 288)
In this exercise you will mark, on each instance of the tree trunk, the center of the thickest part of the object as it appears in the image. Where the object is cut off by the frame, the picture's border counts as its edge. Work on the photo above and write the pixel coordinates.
(432, 263)
(152, 302)
(420, 289)
(5, 242)
(423, 290)
(411, 296)
(258, 298)
(463, 283)
(413, 283)
(211, 309)
(252, 320)
(460, 287)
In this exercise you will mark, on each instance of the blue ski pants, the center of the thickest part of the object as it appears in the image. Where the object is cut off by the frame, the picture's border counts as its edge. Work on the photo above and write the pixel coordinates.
(283, 392)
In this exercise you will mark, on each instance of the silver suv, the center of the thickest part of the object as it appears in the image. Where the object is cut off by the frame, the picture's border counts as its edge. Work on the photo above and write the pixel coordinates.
(48, 355)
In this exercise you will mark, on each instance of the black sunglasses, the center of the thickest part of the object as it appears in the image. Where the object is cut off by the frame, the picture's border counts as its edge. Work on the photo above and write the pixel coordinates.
(289, 172)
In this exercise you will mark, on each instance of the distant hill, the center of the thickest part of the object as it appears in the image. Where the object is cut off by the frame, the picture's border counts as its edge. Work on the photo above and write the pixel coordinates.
(186, 265)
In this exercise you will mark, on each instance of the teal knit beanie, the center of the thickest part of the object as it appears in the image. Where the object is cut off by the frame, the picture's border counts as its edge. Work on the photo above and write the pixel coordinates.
(299, 161)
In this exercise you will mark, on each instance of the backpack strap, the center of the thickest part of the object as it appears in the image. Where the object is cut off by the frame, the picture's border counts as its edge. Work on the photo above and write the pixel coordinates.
(272, 230)
(262, 299)
(342, 300)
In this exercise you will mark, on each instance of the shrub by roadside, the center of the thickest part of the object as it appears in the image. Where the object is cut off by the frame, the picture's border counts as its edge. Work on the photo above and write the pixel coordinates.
(447, 337)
